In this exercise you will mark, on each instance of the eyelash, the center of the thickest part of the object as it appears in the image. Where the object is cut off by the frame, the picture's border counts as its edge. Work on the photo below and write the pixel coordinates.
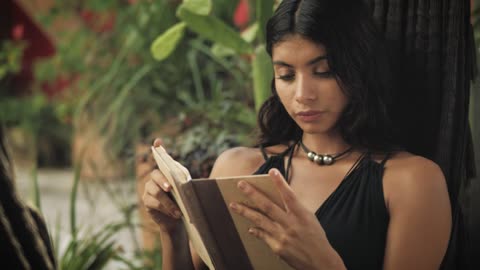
(290, 77)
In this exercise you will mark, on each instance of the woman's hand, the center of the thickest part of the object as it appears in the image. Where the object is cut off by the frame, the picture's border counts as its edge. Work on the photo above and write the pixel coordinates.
(294, 234)
(161, 208)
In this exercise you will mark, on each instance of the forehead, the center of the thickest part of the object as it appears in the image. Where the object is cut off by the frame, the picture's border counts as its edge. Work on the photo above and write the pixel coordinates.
(297, 47)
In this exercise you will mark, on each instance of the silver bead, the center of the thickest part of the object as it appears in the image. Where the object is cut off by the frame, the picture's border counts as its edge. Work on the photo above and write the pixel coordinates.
(327, 160)
(318, 159)
(311, 156)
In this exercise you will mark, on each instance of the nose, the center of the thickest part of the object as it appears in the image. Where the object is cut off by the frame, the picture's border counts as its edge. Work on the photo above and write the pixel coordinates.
(304, 89)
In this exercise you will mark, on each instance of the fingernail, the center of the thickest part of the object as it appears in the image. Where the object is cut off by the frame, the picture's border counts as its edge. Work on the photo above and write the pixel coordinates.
(242, 185)
(177, 213)
(234, 206)
(166, 185)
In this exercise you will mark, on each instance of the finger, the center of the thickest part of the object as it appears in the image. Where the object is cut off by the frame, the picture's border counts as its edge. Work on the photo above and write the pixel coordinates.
(157, 142)
(288, 196)
(257, 218)
(153, 189)
(263, 203)
(152, 203)
(276, 246)
(158, 177)
(163, 205)
(156, 215)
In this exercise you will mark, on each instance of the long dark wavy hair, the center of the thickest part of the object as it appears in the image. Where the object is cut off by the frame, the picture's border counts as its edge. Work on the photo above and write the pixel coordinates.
(356, 55)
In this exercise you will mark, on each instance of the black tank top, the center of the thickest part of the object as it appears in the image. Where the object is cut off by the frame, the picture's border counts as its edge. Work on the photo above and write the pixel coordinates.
(354, 216)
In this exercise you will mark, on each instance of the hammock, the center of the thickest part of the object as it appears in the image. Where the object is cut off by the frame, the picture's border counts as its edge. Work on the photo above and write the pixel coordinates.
(434, 56)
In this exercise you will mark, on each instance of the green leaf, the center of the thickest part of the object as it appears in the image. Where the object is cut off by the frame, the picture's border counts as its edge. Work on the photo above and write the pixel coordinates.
(221, 51)
(264, 12)
(3, 71)
(166, 43)
(262, 76)
(250, 33)
(200, 7)
(215, 30)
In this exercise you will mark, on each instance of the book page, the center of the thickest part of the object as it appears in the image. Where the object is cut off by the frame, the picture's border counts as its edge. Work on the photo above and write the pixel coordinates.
(176, 175)
(259, 253)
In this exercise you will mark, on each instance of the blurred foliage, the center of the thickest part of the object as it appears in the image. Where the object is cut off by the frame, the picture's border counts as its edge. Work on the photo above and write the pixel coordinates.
(42, 122)
(10, 57)
(227, 42)
(32, 112)
(117, 87)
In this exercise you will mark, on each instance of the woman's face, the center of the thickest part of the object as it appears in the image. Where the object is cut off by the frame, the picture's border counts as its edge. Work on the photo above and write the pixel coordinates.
(308, 90)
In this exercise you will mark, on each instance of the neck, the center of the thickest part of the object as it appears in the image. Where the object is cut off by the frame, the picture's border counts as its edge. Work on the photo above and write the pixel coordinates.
(324, 143)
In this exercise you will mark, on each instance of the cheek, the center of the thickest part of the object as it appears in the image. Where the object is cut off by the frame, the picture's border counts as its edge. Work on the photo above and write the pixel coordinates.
(285, 95)
(336, 97)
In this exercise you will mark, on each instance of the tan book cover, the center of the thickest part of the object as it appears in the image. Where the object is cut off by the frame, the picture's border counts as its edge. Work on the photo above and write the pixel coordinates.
(219, 235)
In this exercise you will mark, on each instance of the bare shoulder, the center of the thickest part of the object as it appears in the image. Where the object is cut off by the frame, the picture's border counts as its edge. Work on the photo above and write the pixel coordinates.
(410, 166)
(408, 176)
(237, 161)
(420, 215)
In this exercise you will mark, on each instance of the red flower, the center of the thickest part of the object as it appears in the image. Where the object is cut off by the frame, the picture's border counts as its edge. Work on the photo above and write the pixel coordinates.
(242, 14)
(18, 31)
(61, 83)
(99, 22)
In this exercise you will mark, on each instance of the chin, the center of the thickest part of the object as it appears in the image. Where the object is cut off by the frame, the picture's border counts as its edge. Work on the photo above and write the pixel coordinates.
(315, 128)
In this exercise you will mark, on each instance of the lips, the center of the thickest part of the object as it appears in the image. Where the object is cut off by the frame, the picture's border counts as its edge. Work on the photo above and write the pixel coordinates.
(308, 116)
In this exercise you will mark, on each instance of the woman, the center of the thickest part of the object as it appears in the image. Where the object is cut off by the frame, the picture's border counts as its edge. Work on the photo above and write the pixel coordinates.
(363, 203)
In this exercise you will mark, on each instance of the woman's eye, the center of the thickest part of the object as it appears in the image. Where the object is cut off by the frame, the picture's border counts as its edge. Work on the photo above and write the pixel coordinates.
(286, 77)
(325, 74)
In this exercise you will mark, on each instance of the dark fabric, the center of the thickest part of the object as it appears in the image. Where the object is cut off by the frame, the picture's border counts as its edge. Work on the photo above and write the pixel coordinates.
(43, 233)
(23, 234)
(354, 215)
(432, 48)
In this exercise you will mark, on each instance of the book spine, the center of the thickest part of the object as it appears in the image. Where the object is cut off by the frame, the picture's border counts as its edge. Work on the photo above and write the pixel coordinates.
(221, 226)
(197, 218)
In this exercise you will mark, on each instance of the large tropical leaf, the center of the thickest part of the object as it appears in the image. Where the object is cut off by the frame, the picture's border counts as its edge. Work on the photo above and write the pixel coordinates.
(264, 12)
(214, 29)
(262, 75)
(200, 7)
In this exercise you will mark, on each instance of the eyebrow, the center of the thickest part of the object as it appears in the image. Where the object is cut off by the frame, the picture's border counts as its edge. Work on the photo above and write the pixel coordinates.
(309, 63)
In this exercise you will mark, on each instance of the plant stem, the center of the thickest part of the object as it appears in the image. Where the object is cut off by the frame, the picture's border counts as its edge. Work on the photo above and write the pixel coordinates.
(36, 189)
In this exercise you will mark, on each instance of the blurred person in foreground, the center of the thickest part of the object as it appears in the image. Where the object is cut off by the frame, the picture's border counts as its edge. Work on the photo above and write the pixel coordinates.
(24, 239)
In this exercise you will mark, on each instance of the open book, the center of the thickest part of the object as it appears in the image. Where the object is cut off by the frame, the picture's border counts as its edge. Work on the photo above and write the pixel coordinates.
(219, 235)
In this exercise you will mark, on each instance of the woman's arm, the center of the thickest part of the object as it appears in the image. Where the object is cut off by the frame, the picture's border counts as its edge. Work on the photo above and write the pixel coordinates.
(420, 214)
(175, 250)
(165, 212)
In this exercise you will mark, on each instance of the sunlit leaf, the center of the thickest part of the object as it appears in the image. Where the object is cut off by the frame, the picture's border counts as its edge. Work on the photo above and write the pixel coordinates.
(250, 33)
(200, 7)
(215, 30)
(166, 43)
(221, 51)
